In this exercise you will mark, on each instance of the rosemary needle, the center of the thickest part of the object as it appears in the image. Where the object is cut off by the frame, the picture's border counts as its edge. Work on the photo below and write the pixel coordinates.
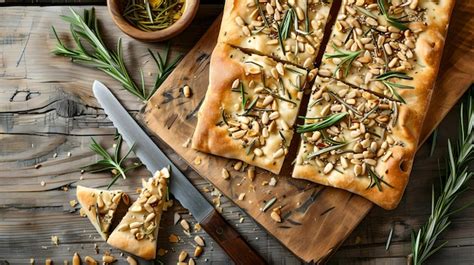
(458, 174)
(111, 162)
(91, 51)
(325, 123)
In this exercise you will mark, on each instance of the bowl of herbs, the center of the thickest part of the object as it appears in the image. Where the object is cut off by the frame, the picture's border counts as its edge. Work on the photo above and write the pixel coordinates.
(152, 20)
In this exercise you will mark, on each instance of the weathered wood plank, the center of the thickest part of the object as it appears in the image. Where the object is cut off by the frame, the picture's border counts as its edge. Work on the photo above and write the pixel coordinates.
(62, 117)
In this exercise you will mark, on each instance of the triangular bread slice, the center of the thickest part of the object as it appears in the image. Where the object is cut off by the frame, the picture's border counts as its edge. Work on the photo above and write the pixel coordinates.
(138, 230)
(104, 208)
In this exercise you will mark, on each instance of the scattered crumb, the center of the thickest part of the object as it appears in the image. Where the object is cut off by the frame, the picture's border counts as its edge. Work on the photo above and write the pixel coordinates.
(198, 251)
(197, 160)
(32, 261)
(177, 217)
(73, 203)
(182, 256)
(186, 144)
(162, 252)
(68, 154)
(82, 212)
(43, 183)
(82, 171)
(241, 196)
(219, 209)
(55, 240)
(197, 227)
(241, 220)
(184, 224)
(37, 166)
(276, 214)
(173, 238)
(358, 240)
(81, 178)
(48, 262)
(272, 182)
(264, 183)
(55, 155)
(187, 91)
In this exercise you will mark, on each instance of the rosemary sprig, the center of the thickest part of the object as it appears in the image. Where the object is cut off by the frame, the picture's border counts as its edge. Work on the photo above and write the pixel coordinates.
(346, 57)
(376, 180)
(85, 31)
(393, 86)
(325, 123)
(242, 95)
(164, 67)
(458, 174)
(396, 22)
(111, 162)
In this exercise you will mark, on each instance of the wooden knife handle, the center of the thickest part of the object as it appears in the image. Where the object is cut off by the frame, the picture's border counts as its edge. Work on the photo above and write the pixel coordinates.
(229, 240)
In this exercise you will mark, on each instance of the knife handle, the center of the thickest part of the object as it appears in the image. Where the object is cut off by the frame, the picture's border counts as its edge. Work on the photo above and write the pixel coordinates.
(229, 240)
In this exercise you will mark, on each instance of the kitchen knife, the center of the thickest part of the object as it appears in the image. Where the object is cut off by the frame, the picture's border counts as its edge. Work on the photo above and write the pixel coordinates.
(154, 159)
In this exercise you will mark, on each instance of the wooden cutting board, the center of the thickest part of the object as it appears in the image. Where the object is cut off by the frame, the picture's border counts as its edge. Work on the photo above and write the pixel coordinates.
(317, 219)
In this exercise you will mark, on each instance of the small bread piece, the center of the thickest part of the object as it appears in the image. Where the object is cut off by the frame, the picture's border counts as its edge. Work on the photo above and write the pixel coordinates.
(138, 230)
(244, 26)
(389, 55)
(103, 207)
(250, 108)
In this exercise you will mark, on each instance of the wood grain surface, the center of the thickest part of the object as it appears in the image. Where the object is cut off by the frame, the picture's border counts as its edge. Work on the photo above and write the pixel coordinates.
(47, 108)
(309, 210)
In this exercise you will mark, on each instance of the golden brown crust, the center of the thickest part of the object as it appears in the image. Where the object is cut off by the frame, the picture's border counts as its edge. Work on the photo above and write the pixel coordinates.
(212, 136)
(427, 55)
(264, 41)
(88, 198)
(138, 230)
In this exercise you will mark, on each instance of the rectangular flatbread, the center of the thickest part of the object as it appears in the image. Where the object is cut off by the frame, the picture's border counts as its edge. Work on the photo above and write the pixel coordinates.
(250, 107)
(286, 30)
(371, 96)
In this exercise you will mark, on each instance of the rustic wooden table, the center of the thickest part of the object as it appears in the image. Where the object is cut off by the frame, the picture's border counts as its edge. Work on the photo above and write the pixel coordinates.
(48, 116)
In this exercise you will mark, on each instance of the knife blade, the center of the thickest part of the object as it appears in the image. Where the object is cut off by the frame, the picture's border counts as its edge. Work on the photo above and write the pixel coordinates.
(154, 159)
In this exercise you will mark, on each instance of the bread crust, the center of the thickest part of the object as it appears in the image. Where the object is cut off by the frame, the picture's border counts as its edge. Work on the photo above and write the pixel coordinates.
(87, 197)
(266, 44)
(212, 138)
(145, 246)
(428, 52)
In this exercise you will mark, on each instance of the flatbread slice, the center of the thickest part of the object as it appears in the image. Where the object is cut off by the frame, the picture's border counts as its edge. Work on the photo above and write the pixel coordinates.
(386, 57)
(104, 208)
(138, 230)
(250, 108)
(287, 30)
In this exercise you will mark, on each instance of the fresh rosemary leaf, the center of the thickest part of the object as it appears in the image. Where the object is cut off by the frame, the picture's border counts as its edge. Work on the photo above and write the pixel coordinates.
(389, 239)
(343, 102)
(260, 10)
(434, 139)
(91, 51)
(396, 22)
(113, 163)
(250, 107)
(325, 123)
(366, 12)
(346, 57)
(455, 182)
(269, 204)
(242, 94)
(285, 25)
(325, 150)
(376, 180)
(394, 92)
(393, 74)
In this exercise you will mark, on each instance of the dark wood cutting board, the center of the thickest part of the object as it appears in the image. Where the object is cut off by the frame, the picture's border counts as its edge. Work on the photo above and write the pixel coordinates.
(317, 219)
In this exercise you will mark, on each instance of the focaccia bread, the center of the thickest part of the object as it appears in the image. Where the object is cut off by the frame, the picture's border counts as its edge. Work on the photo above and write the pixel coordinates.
(289, 30)
(138, 230)
(386, 56)
(104, 208)
(250, 107)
